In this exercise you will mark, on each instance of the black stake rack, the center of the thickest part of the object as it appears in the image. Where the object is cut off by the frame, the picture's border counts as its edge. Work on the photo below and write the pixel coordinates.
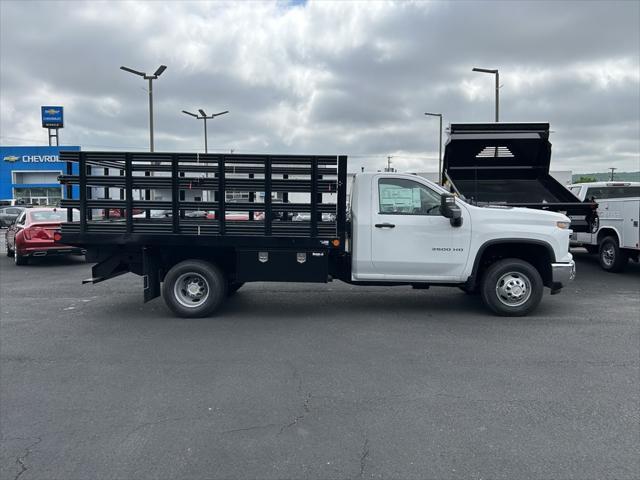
(142, 182)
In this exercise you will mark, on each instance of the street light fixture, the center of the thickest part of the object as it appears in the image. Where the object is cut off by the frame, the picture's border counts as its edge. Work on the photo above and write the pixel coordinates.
(440, 148)
(495, 72)
(205, 117)
(150, 78)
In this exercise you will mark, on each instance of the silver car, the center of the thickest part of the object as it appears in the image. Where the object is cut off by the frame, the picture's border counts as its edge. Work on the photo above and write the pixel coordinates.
(8, 215)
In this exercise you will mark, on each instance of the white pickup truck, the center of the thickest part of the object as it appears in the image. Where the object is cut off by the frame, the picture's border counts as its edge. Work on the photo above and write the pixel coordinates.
(397, 229)
(617, 237)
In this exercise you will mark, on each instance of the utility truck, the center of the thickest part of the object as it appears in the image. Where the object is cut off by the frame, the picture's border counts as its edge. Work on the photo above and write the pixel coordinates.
(617, 237)
(396, 229)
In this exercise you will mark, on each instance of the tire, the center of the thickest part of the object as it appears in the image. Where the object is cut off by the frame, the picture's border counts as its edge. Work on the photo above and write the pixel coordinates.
(611, 258)
(233, 288)
(20, 260)
(511, 287)
(10, 252)
(208, 289)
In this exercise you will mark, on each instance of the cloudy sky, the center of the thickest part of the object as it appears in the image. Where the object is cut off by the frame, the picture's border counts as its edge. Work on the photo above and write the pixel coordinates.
(325, 77)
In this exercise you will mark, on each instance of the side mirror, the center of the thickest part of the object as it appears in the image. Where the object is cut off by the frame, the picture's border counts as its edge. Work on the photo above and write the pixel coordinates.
(449, 209)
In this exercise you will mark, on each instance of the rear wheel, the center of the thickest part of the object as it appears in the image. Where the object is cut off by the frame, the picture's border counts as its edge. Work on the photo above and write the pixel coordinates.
(19, 259)
(512, 287)
(612, 259)
(9, 252)
(194, 288)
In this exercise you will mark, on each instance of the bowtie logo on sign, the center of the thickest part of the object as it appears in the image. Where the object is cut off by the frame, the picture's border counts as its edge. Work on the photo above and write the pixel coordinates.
(11, 158)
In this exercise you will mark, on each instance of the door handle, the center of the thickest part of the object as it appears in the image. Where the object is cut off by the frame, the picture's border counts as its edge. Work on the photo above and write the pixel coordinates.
(385, 225)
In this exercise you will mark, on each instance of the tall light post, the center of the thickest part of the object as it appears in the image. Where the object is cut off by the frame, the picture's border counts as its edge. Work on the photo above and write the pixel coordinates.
(440, 147)
(205, 117)
(150, 78)
(495, 72)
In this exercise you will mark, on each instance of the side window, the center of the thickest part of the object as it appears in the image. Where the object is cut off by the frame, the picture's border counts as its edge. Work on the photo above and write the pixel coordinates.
(596, 192)
(575, 190)
(399, 196)
(20, 220)
(13, 211)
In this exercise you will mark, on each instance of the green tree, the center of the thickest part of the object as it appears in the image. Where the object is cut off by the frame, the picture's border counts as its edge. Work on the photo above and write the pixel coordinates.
(585, 179)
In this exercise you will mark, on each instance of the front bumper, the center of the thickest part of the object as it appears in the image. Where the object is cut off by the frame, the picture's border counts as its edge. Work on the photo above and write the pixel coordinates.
(563, 273)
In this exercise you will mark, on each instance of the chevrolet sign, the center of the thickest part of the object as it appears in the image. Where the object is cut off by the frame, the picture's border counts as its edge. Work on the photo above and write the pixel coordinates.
(52, 117)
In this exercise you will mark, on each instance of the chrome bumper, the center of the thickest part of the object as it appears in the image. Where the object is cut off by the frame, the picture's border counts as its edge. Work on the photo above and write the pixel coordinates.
(563, 272)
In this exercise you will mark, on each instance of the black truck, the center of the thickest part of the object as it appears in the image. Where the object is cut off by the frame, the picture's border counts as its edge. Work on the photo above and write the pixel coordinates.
(508, 164)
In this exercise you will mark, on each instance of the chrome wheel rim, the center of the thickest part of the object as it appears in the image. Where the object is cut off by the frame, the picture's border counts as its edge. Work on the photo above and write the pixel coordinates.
(608, 254)
(191, 290)
(513, 289)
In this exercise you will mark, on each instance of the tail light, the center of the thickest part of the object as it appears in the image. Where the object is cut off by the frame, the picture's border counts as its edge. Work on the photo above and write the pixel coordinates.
(33, 233)
(57, 236)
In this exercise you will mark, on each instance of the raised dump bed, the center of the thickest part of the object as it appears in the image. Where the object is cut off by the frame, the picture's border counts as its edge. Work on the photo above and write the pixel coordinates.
(508, 164)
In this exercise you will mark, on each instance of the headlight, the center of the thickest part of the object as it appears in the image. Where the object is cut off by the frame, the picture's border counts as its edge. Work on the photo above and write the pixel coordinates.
(563, 225)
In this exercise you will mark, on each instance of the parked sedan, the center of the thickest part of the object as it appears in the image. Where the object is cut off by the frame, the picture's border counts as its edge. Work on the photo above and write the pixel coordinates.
(32, 235)
(8, 215)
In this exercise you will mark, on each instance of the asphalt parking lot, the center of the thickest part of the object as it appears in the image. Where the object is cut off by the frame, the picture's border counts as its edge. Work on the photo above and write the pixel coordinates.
(316, 381)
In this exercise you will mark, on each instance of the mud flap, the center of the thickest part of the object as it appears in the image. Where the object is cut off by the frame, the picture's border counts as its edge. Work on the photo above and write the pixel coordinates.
(151, 275)
(110, 267)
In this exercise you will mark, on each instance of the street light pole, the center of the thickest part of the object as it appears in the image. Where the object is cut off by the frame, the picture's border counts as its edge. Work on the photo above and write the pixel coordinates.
(150, 78)
(495, 72)
(439, 115)
(205, 117)
(206, 148)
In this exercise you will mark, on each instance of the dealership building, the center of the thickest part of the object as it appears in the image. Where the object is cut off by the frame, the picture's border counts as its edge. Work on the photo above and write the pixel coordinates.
(30, 174)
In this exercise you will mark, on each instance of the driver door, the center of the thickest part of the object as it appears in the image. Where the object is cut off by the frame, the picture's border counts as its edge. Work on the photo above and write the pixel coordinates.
(410, 239)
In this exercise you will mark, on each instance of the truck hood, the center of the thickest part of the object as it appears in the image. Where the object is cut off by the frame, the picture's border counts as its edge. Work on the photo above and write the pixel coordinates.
(515, 215)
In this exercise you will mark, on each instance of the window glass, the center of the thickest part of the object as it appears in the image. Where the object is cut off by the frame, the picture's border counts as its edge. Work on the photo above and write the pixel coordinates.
(21, 218)
(52, 216)
(575, 190)
(603, 193)
(399, 196)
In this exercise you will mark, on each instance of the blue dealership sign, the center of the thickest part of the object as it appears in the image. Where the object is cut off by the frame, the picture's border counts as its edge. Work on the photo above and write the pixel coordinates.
(52, 117)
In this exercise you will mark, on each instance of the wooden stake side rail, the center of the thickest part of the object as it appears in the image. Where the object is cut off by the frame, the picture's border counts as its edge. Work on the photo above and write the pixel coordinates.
(173, 173)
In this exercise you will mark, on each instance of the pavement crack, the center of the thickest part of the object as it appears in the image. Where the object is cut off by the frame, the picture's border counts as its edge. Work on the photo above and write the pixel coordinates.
(248, 429)
(306, 405)
(21, 460)
(363, 457)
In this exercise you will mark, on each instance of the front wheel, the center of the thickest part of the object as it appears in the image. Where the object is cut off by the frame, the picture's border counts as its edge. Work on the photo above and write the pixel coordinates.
(512, 288)
(194, 288)
(612, 259)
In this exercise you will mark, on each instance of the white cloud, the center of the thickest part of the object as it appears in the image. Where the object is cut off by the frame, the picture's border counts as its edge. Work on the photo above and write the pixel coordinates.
(337, 77)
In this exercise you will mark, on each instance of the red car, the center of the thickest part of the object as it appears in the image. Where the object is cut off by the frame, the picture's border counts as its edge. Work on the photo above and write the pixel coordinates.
(31, 235)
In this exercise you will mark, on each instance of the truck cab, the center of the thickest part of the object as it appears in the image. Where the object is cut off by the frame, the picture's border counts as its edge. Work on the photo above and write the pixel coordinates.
(402, 233)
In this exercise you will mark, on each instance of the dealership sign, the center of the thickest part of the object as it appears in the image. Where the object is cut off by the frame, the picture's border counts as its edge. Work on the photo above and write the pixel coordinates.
(52, 117)
(32, 158)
